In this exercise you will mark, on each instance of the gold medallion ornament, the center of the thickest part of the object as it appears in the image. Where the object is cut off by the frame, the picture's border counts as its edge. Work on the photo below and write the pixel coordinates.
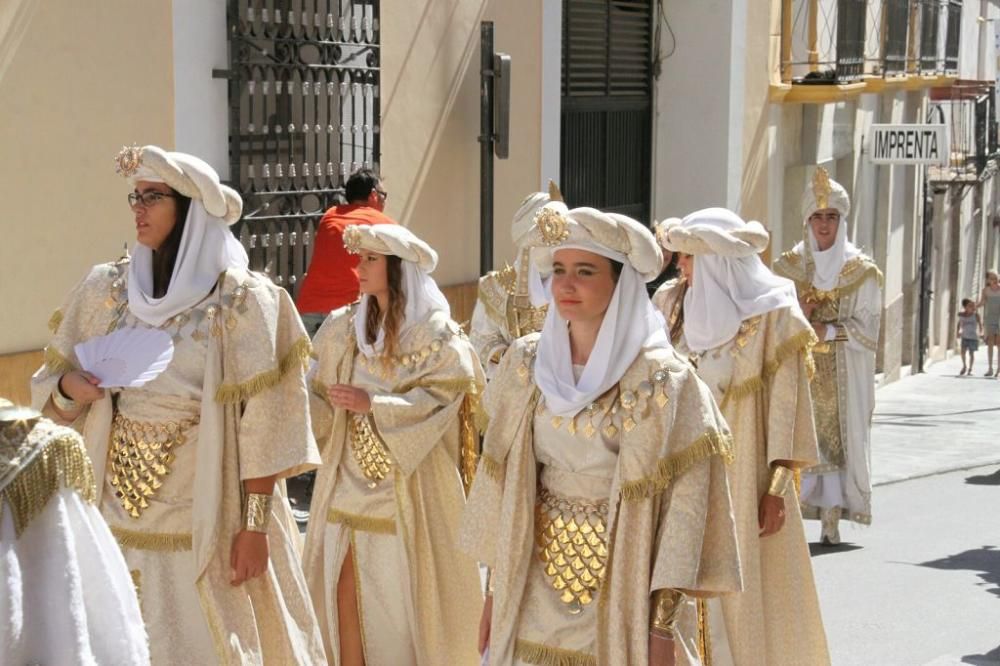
(127, 160)
(369, 451)
(352, 240)
(140, 456)
(821, 188)
(552, 225)
(571, 538)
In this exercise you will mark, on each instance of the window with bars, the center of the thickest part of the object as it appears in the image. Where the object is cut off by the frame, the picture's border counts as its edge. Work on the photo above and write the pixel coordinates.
(304, 114)
(953, 36)
(896, 24)
(850, 40)
(607, 90)
(930, 16)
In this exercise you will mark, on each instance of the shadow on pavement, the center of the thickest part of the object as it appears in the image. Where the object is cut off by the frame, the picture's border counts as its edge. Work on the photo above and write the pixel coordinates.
(990, 659)
(984, 561)
(817, 549)
(984, 479)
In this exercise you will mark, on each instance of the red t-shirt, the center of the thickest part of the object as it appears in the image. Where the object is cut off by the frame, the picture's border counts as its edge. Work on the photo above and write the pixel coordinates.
(332, 278)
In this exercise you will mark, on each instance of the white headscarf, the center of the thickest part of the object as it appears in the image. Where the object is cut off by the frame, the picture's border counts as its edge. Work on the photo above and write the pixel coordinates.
(823, 193)
(730, 282)
(207, 248)
(630, 324)
(423, 297)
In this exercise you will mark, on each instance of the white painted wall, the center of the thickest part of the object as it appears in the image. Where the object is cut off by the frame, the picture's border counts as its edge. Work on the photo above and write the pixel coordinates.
(201, 106)
(698, 114)
(551, 93)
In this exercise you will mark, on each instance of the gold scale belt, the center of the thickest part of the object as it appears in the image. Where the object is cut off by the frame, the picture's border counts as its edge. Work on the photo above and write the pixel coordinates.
(369, 451)
(571, 538)
(141, 455)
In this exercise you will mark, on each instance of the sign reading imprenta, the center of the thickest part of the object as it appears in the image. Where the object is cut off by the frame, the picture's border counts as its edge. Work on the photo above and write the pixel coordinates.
(909, 144)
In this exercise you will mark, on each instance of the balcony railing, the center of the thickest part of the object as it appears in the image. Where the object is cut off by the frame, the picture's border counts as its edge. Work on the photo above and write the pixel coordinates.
(845, 41)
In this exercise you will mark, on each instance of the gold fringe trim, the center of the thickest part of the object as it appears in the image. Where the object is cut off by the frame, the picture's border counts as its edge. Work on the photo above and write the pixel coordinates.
(543, 655)
(362, 523)
(56, 362)
(470, 443)
(800, 342)
(491, 467)
(160, 542)
(298, 355)
(63, 463)
(710, 443)
(55, 321)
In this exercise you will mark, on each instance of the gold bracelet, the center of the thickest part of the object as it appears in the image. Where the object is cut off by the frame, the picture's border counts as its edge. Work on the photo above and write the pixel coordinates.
(256, 512)
(63, 403)
(781, 476)
(665, 612)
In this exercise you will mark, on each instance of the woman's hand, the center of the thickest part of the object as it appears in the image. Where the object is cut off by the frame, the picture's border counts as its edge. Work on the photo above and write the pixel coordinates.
(485, 622)
(81, 387)
(661, 651)
(248, 557)
(808, 308)
(771, 515)
(820, 329)
(350, 398)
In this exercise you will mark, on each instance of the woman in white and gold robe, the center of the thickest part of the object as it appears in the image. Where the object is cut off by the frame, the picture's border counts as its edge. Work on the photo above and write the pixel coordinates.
(840, 289)
(601, 501)
(742, 327)
(394, 393)
(188, 464)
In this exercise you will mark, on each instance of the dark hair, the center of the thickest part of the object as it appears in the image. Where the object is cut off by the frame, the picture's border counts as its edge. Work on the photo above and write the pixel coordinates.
(165, 257)
(397, 305)
(967, 301)
(616, 269)
(359, 186)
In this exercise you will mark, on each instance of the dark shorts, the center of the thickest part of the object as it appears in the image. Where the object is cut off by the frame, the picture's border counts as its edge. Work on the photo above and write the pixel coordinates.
(970, 344)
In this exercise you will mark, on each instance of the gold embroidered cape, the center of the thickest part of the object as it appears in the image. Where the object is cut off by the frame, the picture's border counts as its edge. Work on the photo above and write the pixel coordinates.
(761, 380)
(844, 389)
(670, 516)
(253, 423)
(425, 423)
(503, 312)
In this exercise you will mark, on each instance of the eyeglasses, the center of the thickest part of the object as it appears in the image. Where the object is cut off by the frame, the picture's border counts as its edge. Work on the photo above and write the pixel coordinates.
(147, 199)
(382, 194)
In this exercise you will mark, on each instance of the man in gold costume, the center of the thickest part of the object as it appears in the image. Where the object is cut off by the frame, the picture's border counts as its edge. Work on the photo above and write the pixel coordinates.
(66, 596)
(504, 311)
(840, 291)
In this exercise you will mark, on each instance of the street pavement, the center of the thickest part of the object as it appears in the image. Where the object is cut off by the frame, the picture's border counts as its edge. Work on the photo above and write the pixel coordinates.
(921, 585)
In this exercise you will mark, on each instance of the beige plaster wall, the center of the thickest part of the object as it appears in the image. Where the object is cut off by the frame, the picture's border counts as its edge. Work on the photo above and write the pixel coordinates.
(77, 80)
(430, 122)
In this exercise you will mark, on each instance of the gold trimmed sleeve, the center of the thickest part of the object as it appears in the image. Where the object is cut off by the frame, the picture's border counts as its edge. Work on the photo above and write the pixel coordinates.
(63, 463)
(297, 356)
(668, 468)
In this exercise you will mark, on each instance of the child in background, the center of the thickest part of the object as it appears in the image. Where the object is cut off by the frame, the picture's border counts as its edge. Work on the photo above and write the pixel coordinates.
(970, 327)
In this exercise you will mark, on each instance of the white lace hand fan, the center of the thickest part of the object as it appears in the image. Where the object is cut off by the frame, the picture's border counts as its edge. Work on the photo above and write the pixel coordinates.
(127, 358)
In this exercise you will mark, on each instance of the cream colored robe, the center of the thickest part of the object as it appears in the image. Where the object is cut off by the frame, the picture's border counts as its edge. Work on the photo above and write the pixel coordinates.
(859, 312)
(425, 423)
(761, 380)
(254, 422)
(670, 519)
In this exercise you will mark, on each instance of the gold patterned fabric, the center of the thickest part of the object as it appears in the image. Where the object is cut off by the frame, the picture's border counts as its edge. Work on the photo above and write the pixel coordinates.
(416, 592)
(571, 538)
(141, 455)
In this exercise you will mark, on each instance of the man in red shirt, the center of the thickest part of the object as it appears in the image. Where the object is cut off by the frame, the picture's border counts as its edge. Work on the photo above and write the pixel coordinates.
(332, 278)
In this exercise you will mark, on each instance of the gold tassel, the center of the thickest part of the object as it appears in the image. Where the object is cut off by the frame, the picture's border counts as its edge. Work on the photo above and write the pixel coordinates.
(491, 467)
(543, 655)
(298, 355)
(63, 463)
(708, 444)
(56, 362)
(160, 542)
(362, 523)
(800, 342)
(55, 321)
